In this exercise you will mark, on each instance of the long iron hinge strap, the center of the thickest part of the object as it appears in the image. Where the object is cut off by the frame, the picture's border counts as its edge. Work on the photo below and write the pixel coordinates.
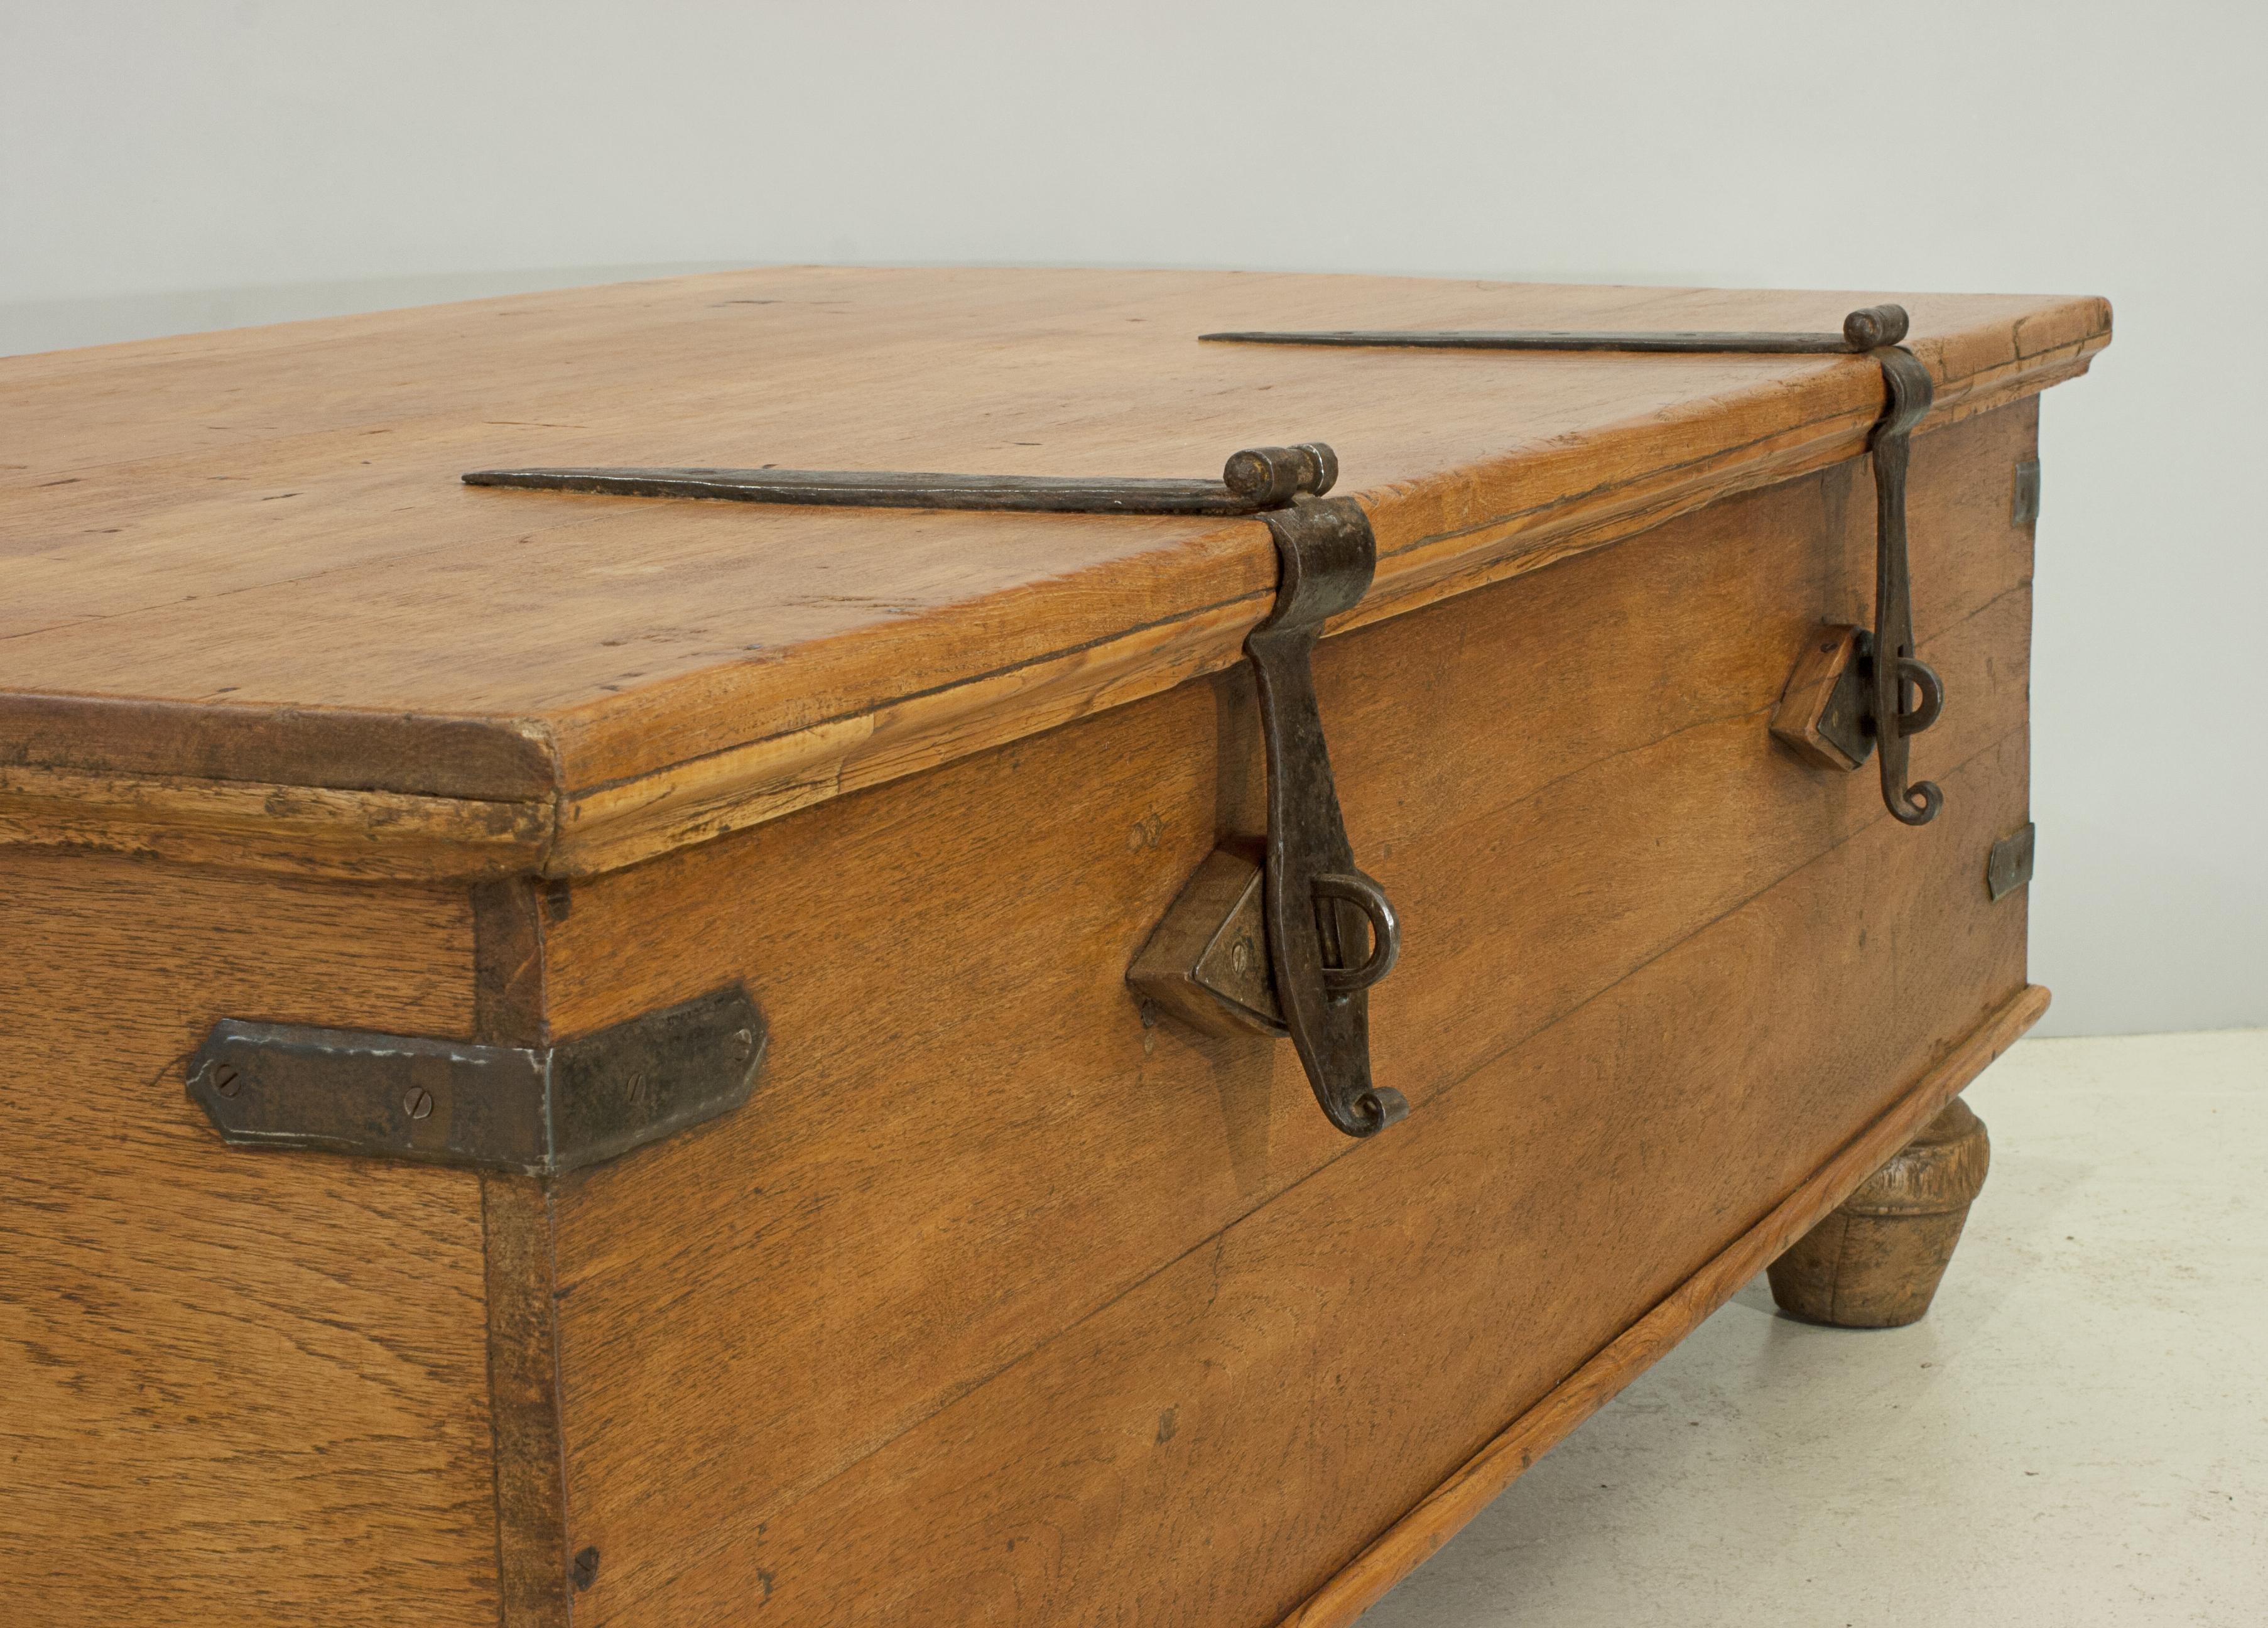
(1252, 482)
(1877, 331)
(1320, 908)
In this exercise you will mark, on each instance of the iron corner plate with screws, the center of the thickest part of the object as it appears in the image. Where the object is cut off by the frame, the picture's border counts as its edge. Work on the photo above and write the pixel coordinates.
(2024, 500)
(533, 1111)
(1329, 931)
(2009, 866)
(1902, 696)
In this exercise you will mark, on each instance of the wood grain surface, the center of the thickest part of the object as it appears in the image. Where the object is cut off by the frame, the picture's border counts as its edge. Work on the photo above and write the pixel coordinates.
(245, 557)
(1414, 1539)
(960, 1086)
(1002, 1300)
(1212, 1444)
(242, 1387)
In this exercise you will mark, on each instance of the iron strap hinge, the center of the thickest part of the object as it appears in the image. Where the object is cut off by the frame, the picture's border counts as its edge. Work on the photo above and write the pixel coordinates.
(536, 1111)
(1330, 933)
(1902, 695)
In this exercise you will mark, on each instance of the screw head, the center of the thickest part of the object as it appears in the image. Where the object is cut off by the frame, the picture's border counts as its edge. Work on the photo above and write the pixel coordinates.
(227, 1081)
(418, 1103)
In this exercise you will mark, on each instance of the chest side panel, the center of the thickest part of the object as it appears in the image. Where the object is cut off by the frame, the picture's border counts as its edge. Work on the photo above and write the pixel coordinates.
(243, 1386)
(997, 1295)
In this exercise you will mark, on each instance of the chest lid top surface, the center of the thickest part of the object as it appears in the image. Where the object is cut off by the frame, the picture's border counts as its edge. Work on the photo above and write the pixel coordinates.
(247, 591)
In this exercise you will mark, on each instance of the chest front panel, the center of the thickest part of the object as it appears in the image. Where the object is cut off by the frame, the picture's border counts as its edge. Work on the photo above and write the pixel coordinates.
(991, 1255)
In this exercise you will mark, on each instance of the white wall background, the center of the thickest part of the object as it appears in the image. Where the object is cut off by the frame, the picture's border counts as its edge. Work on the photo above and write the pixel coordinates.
(176, 165)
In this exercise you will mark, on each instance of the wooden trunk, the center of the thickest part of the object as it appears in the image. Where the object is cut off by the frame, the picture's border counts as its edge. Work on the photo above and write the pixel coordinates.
(1005, 1298)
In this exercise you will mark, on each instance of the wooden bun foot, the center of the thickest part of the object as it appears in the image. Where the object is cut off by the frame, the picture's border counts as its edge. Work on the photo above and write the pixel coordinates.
(1875, 1262)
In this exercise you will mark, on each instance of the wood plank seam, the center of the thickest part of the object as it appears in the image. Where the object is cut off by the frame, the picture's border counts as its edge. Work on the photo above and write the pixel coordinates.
(1008, 670)
(1730, 911)
(979, 1382)
(1444, 1512)
(1820, 544)
(538, 850)
(517, 844)
(826, 775)
(802, 1359)
(1386, 598)
(1951, 408)
(1397, 593)
(1729, 456)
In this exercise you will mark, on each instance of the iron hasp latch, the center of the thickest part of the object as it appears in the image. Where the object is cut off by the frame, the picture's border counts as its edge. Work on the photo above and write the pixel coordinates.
(1320, 906)
(1330, 933)
(1901, 694)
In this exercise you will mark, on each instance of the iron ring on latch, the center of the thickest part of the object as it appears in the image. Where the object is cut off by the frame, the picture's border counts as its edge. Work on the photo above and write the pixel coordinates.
(1385, 931)
(1930, 691)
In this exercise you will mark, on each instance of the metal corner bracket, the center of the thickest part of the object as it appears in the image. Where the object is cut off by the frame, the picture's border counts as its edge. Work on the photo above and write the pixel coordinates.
(1318, 908)
(533, 1111)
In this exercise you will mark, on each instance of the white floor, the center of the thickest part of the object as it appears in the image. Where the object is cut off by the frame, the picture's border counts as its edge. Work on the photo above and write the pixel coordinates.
(2076, 1434)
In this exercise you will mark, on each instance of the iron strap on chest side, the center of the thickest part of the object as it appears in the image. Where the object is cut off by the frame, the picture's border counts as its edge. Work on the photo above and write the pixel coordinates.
(535, 1110)
(1867, 694)
(1316, 907)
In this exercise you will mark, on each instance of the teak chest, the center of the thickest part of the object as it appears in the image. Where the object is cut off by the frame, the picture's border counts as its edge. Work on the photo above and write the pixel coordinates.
(655, 1038)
